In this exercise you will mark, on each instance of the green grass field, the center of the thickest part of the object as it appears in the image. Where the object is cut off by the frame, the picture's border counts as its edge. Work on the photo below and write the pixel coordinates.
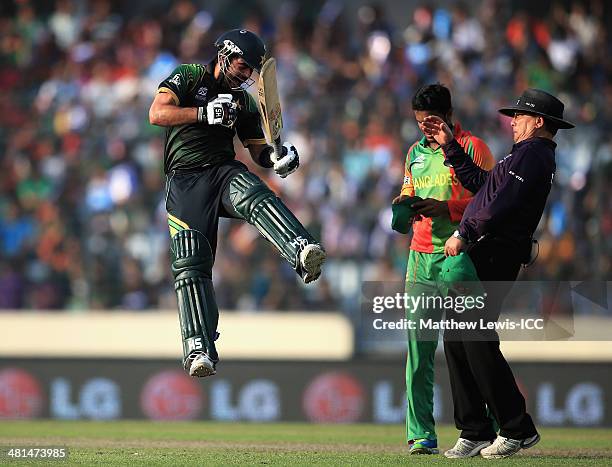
(213, 443)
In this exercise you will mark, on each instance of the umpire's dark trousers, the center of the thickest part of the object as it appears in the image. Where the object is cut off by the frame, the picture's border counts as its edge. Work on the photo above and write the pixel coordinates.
(480, 377)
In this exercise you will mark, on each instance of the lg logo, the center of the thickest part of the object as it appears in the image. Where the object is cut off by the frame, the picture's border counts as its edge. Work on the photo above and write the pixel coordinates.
(582, 405)
(257, 401)
(97, 399)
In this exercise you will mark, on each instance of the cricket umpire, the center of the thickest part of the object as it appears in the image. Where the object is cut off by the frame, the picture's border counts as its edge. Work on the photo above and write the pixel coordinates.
(203, 107)
(496, 231)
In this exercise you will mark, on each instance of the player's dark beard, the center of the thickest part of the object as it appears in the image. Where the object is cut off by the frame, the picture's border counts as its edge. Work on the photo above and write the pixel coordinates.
(233, 77)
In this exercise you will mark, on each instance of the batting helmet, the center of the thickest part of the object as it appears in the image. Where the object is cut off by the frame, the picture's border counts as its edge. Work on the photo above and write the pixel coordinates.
(243, 43)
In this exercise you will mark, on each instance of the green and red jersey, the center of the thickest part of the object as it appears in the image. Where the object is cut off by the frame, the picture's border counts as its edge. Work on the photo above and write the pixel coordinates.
(426, 176)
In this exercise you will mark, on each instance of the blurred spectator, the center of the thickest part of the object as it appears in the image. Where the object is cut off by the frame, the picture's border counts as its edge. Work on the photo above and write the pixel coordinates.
(82, 191)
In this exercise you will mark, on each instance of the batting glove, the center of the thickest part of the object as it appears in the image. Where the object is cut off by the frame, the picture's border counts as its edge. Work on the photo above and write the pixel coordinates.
(289, 162)
(222, 111)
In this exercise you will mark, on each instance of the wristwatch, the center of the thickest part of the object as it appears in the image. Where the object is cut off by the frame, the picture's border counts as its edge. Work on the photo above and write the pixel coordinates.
(456, 234)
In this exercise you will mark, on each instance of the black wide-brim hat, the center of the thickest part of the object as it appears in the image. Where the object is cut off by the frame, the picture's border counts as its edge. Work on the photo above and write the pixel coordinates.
(538, 102)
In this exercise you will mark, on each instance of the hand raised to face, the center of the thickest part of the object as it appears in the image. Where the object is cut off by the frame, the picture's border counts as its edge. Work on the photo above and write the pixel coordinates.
(437, 128)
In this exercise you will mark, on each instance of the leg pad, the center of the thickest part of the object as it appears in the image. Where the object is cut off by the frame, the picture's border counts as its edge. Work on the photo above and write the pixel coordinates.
(198, 312)
(259, 206)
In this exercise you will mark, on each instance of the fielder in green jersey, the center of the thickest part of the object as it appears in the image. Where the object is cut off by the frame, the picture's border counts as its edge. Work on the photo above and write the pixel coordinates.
(438, 215)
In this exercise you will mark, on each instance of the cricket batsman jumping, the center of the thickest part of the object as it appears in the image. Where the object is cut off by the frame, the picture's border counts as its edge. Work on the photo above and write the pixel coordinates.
(437, 216)
(202, 108)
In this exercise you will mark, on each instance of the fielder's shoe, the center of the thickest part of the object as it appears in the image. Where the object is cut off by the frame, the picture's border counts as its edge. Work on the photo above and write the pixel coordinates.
(424, 446)
(199, 364)
(506, 447)
(312, 258)
(466, 448)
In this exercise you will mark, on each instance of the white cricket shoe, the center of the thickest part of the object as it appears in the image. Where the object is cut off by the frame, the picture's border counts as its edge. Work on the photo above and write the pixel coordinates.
(199, 365)
(506, 447)
(466, 448)
(312, 258)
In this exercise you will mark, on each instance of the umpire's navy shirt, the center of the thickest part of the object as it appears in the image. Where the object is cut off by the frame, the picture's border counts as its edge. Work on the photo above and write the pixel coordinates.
(509, 200)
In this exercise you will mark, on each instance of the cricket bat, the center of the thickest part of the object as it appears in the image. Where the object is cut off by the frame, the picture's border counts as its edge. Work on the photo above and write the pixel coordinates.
(269, 106)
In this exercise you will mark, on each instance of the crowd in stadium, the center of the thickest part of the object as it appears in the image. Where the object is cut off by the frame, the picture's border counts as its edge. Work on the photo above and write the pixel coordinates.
(82, 219)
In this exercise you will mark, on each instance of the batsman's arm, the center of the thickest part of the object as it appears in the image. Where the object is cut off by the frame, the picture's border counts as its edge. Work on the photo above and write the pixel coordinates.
(165, 112)
(261, 155)
(249, 131)
(166, 109)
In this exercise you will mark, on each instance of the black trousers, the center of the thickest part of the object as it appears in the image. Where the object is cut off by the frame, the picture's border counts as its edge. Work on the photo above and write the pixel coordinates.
(198, 198)
(480, 376)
